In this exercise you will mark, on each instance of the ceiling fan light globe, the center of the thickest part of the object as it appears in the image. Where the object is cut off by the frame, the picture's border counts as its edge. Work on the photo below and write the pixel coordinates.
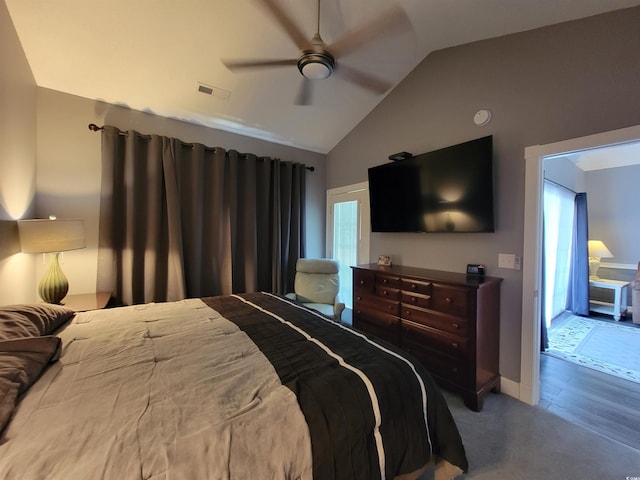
(316, 65)
(315, 70)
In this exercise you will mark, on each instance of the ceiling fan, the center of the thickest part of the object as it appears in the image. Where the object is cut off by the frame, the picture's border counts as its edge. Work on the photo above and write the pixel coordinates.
(318, 60)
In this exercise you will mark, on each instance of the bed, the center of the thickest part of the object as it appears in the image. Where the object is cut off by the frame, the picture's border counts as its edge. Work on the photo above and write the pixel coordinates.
(247, 386)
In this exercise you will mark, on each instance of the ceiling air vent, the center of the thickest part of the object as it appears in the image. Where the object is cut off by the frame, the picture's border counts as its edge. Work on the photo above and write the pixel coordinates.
(213, 91)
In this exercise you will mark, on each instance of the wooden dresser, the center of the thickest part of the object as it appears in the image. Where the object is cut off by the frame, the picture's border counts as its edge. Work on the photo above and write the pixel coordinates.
(448, 321)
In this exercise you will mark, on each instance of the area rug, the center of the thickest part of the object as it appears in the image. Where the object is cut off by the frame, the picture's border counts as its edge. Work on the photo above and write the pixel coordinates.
(601, 345)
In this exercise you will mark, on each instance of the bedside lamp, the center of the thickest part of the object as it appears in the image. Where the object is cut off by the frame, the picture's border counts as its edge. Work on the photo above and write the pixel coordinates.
(597, 250)
(52, 236)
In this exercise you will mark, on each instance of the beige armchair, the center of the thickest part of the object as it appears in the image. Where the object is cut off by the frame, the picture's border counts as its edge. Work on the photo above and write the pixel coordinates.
(635, 297)
(317, 285)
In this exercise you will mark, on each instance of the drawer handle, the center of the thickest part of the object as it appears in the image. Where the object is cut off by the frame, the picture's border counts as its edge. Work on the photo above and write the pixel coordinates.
(385, 292)
(414, 286)
(384, 280)
(414, 299)
(389, 307)
(361, 282)
(454, 345)
(448, 300)
(455, 325)
(408, 313)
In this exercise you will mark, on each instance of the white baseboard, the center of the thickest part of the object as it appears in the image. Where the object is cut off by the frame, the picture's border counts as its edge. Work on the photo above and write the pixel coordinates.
(509, 387)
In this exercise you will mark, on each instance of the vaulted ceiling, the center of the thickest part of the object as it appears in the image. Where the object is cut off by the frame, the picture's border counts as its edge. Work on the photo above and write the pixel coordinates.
(153, 55)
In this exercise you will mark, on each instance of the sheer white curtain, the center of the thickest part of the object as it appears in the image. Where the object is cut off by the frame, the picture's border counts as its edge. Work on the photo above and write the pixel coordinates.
(559, 211)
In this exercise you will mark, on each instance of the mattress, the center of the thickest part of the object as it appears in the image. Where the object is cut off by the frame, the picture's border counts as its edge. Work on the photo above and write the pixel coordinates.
(241, 386)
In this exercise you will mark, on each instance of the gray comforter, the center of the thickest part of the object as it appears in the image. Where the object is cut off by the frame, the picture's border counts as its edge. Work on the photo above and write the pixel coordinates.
(178, 391)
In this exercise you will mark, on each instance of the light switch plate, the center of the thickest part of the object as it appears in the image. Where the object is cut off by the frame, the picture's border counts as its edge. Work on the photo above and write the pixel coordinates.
(506, 260)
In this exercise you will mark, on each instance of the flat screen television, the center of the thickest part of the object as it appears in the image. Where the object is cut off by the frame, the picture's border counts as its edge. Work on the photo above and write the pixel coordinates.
(447, 190)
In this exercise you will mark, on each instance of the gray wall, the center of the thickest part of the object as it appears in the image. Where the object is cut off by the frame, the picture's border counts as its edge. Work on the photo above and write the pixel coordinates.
(614, 211)
(543, 86)
(614, 216)
(17, 163)
(564, 172)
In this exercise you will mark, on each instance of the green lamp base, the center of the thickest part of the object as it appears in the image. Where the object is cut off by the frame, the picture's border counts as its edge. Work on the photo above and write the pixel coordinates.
(54, 285)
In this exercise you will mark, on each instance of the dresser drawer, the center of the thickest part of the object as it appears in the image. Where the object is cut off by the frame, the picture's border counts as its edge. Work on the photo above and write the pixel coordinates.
(416, 286)
(363, 281)
(438, 321)
(415, 299)
(449, 369)
(450, 299)
(386, 280)
(381, 325)
(379, 304)
(383, 291)
(434, 339)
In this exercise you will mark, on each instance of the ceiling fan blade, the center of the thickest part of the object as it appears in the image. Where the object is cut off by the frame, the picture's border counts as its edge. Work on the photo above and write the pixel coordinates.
(240, 64)
(304, 93)
(365, 80)
(297, 35)
(393, 20)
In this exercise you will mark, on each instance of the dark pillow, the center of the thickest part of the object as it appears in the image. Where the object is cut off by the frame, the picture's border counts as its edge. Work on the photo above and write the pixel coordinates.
(31, 320)
(22, 360)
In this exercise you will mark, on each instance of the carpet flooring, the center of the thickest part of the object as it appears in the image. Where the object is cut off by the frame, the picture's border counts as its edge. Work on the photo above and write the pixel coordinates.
(602, 345)
(510, 440)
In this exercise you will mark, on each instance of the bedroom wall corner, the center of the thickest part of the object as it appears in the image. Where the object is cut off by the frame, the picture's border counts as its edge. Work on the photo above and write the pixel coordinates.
(17, 163)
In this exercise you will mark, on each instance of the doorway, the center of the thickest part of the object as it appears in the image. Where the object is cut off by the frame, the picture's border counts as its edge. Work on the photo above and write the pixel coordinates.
(535, 156)
(348, 227)
(591, 328)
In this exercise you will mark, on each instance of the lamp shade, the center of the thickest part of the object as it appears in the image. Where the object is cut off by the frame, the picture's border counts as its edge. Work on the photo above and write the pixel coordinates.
(42, 236)
(598, 249)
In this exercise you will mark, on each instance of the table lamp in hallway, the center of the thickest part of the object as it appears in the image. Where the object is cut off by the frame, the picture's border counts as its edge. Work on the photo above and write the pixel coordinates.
(597, 250)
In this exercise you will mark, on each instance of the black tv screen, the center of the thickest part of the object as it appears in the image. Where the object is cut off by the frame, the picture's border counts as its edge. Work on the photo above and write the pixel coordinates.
(447, 190)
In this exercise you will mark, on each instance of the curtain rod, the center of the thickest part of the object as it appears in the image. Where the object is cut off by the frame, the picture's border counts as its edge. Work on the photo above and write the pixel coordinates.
(559, 185)
(95, 128)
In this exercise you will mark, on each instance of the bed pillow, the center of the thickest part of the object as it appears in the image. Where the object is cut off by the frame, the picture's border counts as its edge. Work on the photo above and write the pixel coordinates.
(31, 320)
(22, 360)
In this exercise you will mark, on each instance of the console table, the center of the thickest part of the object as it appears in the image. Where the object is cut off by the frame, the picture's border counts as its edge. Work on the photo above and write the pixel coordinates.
(619, 305)
(449, 321)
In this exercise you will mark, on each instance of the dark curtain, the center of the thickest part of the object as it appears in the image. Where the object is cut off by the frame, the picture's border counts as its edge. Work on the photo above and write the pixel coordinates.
(183, 220)
(578, 294)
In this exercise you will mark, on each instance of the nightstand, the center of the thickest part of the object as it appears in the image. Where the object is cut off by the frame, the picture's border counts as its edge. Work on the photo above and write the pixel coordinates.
(619, 305)
(87, 301)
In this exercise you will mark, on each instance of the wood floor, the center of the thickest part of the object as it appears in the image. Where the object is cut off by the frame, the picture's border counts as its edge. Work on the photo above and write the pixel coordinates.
(603, 403)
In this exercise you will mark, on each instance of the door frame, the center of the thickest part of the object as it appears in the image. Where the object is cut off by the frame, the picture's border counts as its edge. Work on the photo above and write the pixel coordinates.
(529, 387)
